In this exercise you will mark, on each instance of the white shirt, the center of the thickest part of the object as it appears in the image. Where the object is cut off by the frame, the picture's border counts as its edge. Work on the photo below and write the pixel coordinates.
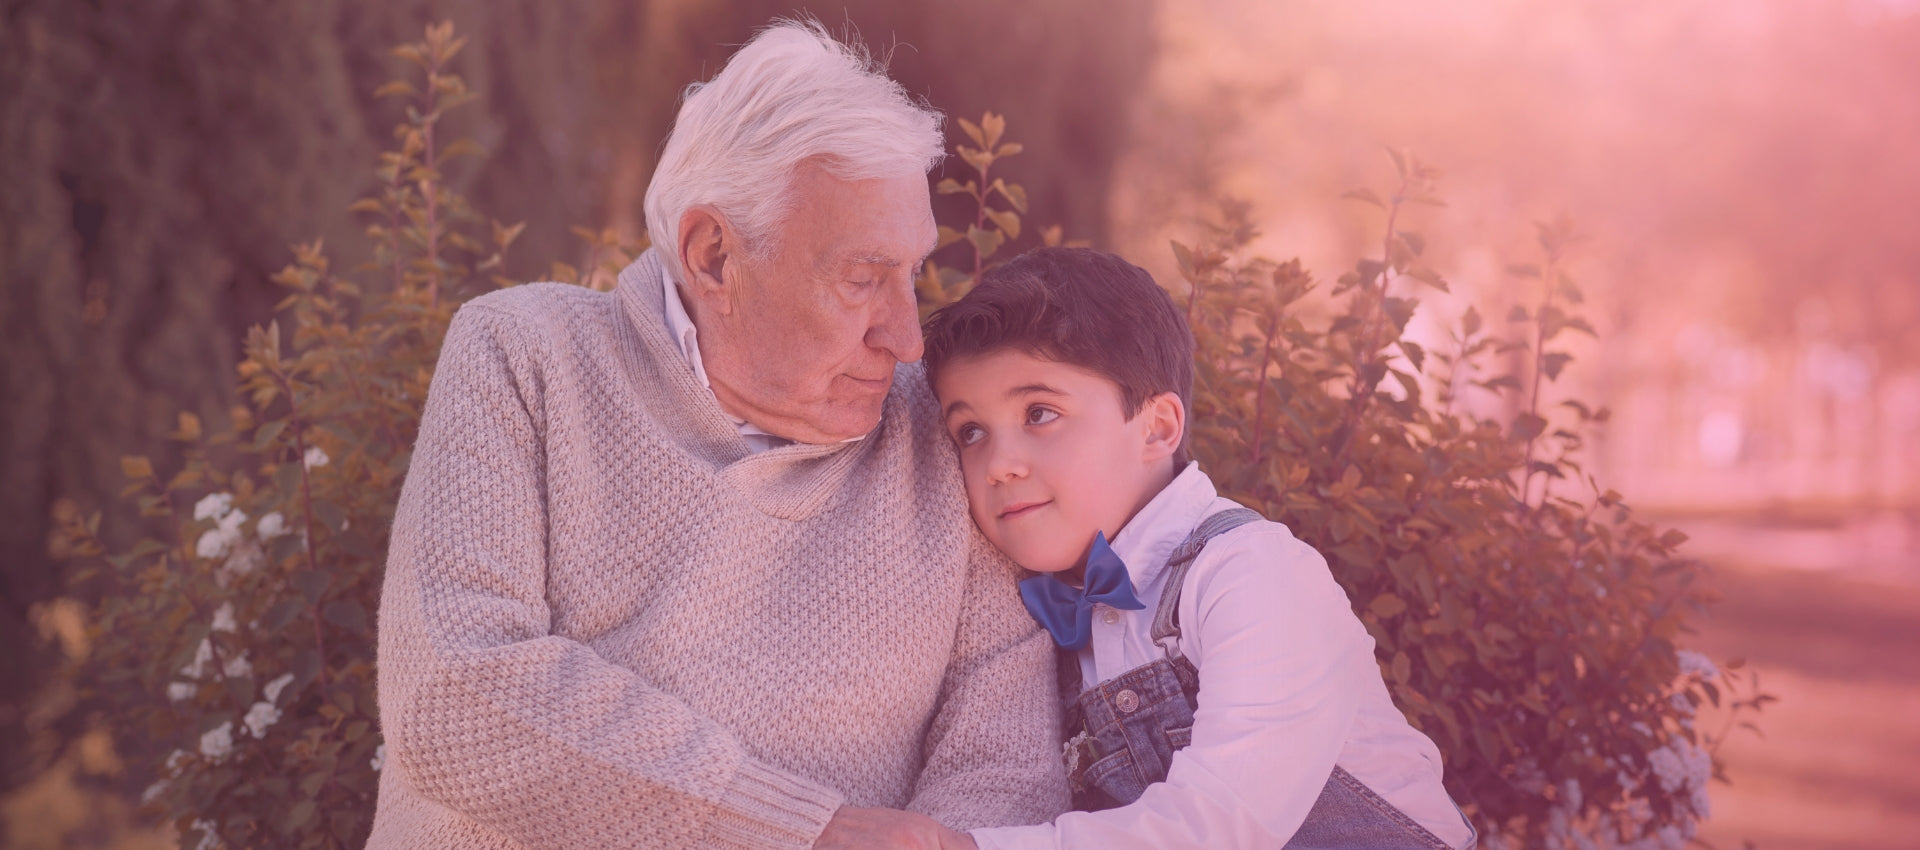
(1289, 689)
(686, 337)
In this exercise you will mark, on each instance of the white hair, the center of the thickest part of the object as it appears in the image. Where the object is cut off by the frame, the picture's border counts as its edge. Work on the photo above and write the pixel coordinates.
(792, 94)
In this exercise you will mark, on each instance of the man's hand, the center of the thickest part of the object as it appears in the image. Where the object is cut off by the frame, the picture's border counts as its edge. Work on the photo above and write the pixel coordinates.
(887, 829)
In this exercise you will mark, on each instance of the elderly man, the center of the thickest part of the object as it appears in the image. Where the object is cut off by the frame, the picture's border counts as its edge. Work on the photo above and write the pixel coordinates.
(688, 564)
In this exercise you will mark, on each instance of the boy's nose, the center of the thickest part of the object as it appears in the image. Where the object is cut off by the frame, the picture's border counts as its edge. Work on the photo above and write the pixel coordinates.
(1005, 463)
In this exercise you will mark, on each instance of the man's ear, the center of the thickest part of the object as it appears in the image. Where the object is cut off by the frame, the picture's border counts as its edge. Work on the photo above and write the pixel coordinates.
(1165, 421)
(706, 246)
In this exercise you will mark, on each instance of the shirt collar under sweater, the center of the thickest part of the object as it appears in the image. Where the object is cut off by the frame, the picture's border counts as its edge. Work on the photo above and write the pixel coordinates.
(686, 338)
(1149, 538)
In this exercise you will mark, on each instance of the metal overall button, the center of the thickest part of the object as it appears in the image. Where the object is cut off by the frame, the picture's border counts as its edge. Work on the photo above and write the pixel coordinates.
(1127, 701)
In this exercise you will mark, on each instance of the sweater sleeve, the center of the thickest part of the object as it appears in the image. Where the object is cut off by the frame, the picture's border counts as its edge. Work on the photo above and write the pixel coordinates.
(1282, 664)
(488, 713)
(993, 748)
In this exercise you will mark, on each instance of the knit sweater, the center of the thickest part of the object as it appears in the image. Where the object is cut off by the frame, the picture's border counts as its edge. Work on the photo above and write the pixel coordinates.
(606, 624)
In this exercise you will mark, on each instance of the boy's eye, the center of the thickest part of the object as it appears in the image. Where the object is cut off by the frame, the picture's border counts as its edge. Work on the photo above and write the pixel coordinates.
(968, 434)
(1037, 415)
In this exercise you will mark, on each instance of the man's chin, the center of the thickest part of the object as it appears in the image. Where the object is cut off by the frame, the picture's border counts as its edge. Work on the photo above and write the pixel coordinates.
(843, 421)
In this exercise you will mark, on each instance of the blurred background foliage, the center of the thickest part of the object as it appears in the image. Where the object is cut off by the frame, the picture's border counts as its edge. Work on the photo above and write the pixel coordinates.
(1741, 168)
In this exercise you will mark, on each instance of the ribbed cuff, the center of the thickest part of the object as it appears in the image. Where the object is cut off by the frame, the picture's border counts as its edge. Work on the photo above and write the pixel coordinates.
(768, 808)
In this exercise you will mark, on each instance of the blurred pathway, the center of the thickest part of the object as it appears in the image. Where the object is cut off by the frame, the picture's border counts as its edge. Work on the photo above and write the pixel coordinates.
(1838, 641)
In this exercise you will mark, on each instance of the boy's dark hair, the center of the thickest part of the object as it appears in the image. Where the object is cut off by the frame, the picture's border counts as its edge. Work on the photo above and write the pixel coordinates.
(1077, 306)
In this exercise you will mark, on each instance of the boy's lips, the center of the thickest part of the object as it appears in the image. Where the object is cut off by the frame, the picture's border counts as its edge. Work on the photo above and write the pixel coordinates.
(1020, 509)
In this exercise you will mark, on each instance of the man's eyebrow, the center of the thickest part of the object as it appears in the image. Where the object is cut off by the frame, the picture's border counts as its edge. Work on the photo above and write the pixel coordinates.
(871, 258)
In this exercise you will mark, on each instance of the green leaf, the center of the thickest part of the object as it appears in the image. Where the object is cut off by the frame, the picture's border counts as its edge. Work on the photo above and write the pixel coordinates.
(1429, 277)
(1365, 196)
(347, 614)
(136, 467)
(1009, 223)
(973, 132)
(1015, 195)
(313, 584)
(1527, 426)
(1387, 605)
(1415, 354)
(329, 514)
(263, 436)
(1553, 362)
(1469, 323)
(985, 241)
(282, 613)
(306, 667)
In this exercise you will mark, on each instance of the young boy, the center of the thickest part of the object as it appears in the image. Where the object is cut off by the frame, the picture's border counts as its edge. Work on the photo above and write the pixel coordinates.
(1231, 697)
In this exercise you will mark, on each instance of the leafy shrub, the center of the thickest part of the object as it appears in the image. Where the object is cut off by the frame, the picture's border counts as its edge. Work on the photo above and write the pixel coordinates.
(1530, 633)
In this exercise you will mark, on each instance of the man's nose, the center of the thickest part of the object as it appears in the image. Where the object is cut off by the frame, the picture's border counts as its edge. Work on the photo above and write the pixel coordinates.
(896, 324)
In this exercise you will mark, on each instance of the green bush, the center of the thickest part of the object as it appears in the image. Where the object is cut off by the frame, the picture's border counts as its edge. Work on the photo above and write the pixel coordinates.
(1530, 633)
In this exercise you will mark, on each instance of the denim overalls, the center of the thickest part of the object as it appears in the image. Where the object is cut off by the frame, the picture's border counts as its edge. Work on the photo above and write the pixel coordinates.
(1123, 732)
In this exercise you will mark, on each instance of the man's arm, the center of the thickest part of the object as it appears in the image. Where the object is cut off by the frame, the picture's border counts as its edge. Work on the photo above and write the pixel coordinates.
(993, 749)
(488, 713)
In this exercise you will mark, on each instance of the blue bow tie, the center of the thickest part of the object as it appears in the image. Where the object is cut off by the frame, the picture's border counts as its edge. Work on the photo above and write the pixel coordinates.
(1067, 611)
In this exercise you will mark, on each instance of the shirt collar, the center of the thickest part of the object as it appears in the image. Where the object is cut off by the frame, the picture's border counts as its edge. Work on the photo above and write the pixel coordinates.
(1147, 540)
(686, 337)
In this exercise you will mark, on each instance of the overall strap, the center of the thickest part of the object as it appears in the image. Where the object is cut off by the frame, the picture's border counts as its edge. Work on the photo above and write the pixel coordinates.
(1166, 619)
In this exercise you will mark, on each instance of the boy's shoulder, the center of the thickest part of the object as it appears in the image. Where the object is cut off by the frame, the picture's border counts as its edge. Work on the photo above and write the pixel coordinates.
(1261, 551)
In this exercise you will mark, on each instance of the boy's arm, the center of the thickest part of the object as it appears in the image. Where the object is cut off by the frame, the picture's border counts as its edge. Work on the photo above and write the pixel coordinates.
(992, 750)
(1280, 656)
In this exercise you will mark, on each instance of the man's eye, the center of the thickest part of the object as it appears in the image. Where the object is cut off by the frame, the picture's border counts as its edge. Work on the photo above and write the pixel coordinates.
(967, 435)
(1041, 415)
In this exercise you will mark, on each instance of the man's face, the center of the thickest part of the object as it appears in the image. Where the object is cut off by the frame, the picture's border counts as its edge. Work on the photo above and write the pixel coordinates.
(819, 322)
(1047, 453)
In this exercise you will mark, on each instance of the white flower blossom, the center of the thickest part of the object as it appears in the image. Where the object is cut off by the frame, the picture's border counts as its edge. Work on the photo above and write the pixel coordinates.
(213, 506)
(315, 457)
(259, 717)
(217, 743)
(223, 618)
(218, 541)
(246, 558)
(274, 687)
(1694, 664)
(379, 757)
(211, 544)
(1681, 705)
(208, 839)
(202, 658)
(271, 526)
(175, 761)
(181, 691)
(153, 791)
(238, 666)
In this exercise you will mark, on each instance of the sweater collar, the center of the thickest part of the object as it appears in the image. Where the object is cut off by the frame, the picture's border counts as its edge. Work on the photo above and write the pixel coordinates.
(791, 482)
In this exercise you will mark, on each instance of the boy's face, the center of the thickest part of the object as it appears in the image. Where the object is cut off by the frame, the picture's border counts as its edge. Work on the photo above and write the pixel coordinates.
(1048, 456)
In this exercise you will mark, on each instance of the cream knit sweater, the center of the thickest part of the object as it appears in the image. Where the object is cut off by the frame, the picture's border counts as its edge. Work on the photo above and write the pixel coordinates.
(606, 624)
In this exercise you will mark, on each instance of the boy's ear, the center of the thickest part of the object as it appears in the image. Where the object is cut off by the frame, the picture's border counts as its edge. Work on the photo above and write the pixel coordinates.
(1165, 420)
(707, 244)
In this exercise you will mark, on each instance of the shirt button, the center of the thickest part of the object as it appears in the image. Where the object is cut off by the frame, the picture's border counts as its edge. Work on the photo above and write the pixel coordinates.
(1110, 617)
(1127, 701)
